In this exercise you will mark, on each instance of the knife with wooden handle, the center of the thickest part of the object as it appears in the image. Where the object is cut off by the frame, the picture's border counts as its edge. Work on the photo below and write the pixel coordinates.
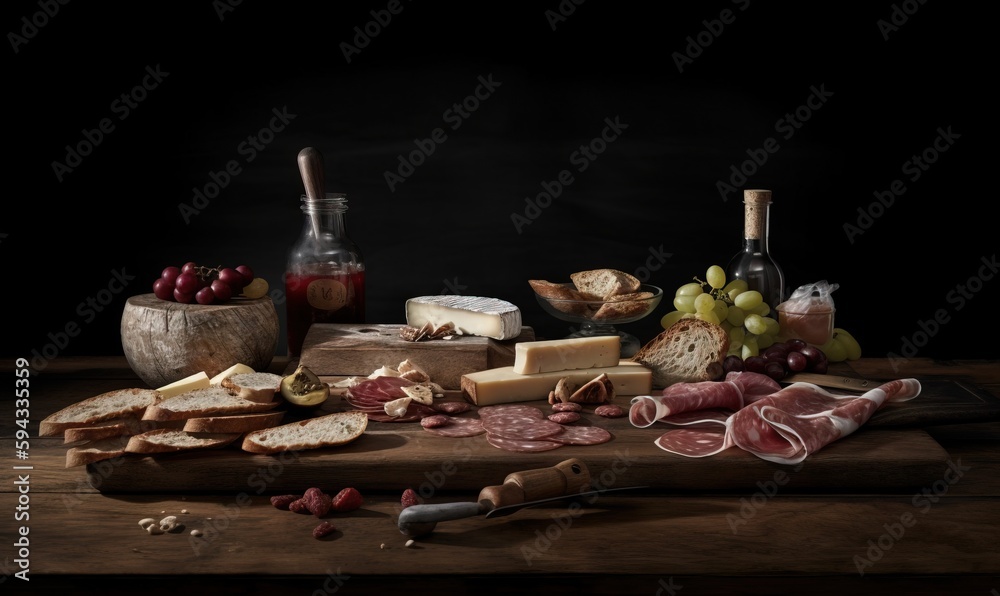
(833, 381)
(567, 479)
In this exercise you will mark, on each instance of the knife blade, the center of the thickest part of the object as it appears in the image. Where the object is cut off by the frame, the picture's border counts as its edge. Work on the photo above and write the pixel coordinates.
(834, 381)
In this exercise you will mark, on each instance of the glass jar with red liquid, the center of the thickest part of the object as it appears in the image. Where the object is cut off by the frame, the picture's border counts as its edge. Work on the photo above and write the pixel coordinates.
(325, 275)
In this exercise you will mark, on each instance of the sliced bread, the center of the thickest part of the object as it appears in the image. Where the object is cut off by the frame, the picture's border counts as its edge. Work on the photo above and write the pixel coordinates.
(329, 430)
(121, 403)
(96, 451)
(684, 352)
(209, 401)
(604, 283)
(253, 386)
(166, 440)
(240, 423)
(102, 430)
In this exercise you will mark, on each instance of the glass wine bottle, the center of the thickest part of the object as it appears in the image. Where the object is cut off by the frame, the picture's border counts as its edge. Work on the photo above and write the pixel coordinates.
(754, 263)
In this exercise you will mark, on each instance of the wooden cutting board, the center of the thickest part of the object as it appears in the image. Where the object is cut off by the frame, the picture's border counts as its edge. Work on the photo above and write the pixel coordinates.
(394, 456)
(357, 350)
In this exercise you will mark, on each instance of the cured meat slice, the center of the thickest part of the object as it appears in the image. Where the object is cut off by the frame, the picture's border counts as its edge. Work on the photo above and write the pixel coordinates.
(790, 424)
(753, 385)
(458, 427)
(521, 445)
(802, 418)
(372, 394)
(694, 443)
(414, 412)
(685, 397)
(518, 421)
(707, 418)
(581, 435)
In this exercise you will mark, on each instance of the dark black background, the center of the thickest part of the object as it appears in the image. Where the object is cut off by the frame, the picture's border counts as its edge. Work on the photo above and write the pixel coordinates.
(448, 227)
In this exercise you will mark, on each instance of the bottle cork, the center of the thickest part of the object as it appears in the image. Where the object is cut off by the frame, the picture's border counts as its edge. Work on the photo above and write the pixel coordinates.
(756, 202)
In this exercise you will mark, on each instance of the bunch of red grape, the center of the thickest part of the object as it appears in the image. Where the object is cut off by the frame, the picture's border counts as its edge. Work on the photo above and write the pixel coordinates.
(204, 285)
(780, 360)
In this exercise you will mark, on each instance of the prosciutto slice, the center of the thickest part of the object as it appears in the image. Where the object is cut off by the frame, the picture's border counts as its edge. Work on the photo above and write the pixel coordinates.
(790, 424)
(731, 394)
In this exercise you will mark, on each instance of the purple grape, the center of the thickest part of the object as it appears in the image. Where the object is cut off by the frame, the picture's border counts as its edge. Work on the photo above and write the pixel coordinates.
(754, 364)
(187, 283)
(223, 291)
(205, 295)
(163, 289)
(813, 355)
(796, 344)
(233, 278)
(170, 274)
(732, 363)
(775, 370)
(796, 362)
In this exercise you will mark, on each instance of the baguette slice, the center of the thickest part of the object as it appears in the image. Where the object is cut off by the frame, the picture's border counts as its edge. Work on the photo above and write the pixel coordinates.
(240, 423)
(209, 401)
(323, 431)
(96, 451)
(167, 440)
(102, 430)
(121, 403)
(605, 283)
(683, 352)
(253, 386)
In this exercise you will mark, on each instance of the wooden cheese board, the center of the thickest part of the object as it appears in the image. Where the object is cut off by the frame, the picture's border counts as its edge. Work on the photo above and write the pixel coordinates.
(342, 349)
(888, 454)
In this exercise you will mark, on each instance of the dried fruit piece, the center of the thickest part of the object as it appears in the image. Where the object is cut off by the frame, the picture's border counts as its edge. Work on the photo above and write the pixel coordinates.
(299, 506)
(409, 498)
(347, 499)
(324, 529)
(303, 388)
(283, 501)
(317, 502)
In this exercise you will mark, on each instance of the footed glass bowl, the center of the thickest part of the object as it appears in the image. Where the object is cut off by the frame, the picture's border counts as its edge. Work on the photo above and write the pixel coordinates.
(599, 317)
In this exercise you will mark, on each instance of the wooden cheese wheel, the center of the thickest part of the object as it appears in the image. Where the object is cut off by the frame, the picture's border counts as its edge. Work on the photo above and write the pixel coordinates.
(167, 341)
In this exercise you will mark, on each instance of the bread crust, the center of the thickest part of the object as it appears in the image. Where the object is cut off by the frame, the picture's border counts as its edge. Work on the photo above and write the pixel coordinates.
(683, 352)
(239, 423)
(260, 387)
(167, 440)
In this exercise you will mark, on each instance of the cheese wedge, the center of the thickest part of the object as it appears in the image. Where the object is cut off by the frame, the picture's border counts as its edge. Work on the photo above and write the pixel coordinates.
(198, 380)
(503, 385)
(532, 357)
(232, 370)
(471, 315)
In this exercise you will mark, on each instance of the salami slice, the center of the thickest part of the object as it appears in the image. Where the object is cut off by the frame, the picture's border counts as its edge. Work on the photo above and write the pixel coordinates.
(413, 413)
(694, 443)
(510, 410)
(522, 427)
(521, 445)
(581, 435)
(458, 427)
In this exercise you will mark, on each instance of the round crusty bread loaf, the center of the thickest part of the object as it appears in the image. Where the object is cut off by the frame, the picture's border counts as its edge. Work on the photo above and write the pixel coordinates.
(683, 352)
(323, 431)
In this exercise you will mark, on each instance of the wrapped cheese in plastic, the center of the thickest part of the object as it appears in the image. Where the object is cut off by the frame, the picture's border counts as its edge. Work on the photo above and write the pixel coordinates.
(808, 313)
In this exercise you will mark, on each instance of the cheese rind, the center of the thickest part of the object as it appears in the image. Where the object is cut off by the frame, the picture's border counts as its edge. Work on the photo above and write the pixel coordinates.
(471, 315)
(503, 385)
(198, 380)
(531, 357)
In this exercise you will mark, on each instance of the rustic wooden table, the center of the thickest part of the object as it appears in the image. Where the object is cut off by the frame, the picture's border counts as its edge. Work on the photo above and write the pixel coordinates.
(60, 531)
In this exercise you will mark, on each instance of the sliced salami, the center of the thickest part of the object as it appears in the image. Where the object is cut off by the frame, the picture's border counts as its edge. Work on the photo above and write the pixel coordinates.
(413, 413)
(452, 407)
(522, 427)
(581, 435)
(564, 417)
(521, 445)
(694, 443)
(509, 410)
(458, 427)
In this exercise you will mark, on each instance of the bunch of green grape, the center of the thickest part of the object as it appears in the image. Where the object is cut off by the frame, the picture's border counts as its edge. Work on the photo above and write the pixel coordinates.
(741, 311)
